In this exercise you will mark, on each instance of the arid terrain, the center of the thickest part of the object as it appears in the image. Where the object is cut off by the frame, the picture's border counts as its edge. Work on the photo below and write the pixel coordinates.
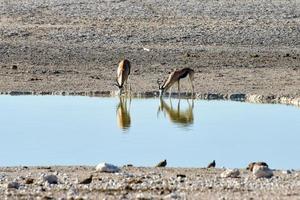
(247, 48)
(144, 183)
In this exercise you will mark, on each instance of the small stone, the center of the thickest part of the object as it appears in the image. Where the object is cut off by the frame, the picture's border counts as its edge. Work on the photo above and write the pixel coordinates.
(87, 180)
(252, 164)
(106, 167)
(181, 175)
(254, 55)
(14, 185)
(286, 171)
(29, 180)
(51, 179)
(230, 173)
(128, 187)
(128, 165)
(261, 171)
(47, 197)
(174, 195)
(14, 67)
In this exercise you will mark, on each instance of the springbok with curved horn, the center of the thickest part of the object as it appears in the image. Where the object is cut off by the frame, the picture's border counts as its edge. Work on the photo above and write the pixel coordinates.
(177, 115)
(174, 77)
(122, 74)
(123, 113)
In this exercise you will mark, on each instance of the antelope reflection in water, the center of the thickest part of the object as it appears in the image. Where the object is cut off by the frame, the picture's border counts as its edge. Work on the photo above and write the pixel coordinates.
(176, 115)
(123, 113)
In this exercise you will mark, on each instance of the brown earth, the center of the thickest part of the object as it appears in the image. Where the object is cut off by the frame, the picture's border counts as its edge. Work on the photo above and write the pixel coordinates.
(234, 46)
(144, 183)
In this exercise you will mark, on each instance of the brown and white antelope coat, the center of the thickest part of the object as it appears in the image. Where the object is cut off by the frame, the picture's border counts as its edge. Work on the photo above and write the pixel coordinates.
(122, 74)
(174, 77)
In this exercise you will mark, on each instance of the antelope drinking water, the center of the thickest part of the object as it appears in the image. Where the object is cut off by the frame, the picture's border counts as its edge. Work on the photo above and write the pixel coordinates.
(174, 77)
(123, 113)
(122, 74)
(177, 115)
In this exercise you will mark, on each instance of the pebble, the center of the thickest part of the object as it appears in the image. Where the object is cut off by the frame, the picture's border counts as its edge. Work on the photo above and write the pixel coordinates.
(14, 67)
(286, 171)
(181, 175)
(175, 195)
(29, 180)
(260, 171)
(106, 167)
(230, 173)
(51, 179)
(14, 185)
(86, 180)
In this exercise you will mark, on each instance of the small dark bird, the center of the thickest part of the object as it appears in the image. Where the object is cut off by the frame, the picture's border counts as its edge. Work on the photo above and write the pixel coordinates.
(252, 164)
(87, 180)
(162, 164)
(212, 164)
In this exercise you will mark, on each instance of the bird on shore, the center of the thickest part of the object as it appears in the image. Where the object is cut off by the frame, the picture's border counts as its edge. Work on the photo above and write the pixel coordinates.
(162, 164)
(252, 164)
(87, 180)
(212, 164)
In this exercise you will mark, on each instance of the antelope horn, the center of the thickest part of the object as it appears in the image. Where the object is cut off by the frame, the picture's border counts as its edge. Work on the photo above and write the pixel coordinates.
(117, 84)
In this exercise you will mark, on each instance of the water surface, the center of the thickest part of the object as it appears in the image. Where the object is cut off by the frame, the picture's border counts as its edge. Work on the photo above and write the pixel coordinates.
(66, 130)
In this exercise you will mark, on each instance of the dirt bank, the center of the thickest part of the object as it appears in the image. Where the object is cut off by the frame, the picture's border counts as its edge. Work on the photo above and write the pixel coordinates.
(75, 45)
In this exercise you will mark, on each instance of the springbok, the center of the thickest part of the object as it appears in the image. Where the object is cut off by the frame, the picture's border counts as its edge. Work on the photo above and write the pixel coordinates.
(178, 115)
(123, 113)
(175, 76)
(122, 74)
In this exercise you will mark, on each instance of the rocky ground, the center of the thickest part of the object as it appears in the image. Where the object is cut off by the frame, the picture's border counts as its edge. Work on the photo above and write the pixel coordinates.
(143, 183)
(248, 47)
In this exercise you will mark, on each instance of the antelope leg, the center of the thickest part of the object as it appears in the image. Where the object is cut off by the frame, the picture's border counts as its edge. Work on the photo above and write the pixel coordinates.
(170, 92)
(178, 87)
(192, 86)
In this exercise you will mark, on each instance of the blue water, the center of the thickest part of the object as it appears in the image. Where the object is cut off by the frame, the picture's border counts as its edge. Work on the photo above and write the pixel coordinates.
(66, 130)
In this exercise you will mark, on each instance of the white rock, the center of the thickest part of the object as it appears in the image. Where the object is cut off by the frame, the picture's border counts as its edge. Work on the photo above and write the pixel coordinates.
(260, 171)
(230, 173)
(146, 49)
(51, 179)
(286, 172)
(106, 167)
(14, 185)
(175, 195)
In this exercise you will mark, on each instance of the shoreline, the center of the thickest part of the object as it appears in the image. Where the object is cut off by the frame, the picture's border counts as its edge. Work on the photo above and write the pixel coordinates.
(249, 98)
(144, 183)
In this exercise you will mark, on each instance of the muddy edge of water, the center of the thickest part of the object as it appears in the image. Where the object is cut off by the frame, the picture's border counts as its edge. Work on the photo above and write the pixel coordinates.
(251, 98)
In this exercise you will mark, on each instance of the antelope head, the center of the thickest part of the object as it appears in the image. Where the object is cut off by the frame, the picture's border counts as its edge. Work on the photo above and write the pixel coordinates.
(119, 86)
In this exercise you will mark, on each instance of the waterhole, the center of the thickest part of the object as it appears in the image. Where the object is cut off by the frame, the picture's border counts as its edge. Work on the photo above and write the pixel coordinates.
(68, 130)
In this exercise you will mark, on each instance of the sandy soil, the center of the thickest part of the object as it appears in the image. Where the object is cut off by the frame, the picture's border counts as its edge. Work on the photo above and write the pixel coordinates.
(249, 47)
(145, 183)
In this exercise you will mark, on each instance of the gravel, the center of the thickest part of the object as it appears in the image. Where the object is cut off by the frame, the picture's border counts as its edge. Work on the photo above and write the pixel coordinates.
(149, 183)
(249, 47)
